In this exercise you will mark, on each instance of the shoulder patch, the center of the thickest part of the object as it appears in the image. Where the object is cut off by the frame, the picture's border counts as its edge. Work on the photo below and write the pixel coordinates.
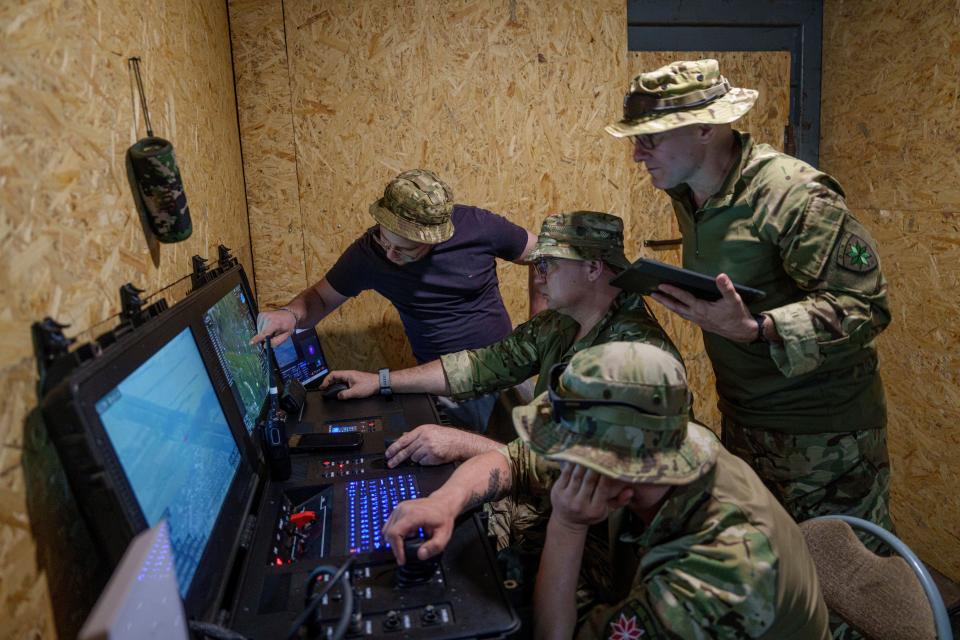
(856, 254)
(624, 628)
(632, 621)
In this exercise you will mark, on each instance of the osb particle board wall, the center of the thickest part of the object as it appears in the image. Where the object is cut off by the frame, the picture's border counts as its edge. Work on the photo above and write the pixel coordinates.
(508, 107)
(266, 123)
(890, 133)
(69, 236)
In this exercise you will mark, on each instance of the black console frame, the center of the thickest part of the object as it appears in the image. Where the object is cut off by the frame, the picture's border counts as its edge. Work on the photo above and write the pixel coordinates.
(229, 582)
(95, 474)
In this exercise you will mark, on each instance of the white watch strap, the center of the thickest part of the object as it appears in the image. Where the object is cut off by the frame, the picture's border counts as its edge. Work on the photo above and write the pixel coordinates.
(385, 389)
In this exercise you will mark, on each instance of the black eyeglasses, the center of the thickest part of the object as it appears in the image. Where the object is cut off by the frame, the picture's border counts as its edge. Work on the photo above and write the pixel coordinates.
(566, 408)
(647, 141)
(404, 252)
(542, 266)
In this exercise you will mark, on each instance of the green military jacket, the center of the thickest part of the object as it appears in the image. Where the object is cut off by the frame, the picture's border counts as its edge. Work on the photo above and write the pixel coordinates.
(547, 339)
(720, 559)
(779, 225)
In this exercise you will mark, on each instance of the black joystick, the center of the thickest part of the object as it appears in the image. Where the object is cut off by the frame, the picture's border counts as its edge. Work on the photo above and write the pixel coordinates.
(415, 571)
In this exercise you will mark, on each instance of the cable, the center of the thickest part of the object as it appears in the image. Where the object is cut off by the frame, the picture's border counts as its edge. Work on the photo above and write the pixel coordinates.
(313, 601)
(215, 631)
(135, 64)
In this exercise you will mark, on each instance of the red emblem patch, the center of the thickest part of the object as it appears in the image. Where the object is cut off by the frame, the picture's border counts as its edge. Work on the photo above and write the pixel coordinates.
(625, 629)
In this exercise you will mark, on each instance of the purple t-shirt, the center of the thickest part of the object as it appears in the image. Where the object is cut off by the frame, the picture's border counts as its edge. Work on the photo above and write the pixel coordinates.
(449, 300)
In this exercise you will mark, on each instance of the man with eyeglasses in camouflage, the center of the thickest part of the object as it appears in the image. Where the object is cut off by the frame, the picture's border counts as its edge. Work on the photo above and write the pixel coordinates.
(576, 256)
(435, 261)
(797, 372)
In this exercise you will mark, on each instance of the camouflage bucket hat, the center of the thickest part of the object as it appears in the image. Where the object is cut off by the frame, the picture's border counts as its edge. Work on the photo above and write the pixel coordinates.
(582, 235)
(416, 205)
(679, 94)
(620, 409)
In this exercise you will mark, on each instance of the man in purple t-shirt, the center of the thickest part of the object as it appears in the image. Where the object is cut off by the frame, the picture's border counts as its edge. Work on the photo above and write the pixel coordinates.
(436, 262)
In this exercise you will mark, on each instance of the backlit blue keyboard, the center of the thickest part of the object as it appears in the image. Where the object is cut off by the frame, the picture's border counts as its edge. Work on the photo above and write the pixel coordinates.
(369, 503)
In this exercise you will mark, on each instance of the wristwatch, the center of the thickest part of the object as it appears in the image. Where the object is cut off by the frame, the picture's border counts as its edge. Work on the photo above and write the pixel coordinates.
(385, 389)
(758, 318)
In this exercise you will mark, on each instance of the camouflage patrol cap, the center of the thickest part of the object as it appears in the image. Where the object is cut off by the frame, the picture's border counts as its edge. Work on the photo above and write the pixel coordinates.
(651, 441)
(416, 205)
(679, 94)
(582, 235)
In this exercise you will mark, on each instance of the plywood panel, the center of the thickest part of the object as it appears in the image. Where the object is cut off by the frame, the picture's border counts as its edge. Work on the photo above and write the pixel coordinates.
(889, 102)
(509, 109)
(266, 129)
(920, 253)
(889, 131)
(69, 234)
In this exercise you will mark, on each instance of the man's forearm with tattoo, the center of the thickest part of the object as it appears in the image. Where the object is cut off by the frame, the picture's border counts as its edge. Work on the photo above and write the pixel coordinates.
(494, 491)
(480, 479)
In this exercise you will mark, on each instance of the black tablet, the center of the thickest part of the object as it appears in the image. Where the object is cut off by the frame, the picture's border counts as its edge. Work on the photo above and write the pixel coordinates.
(644, 276)
(301, 357)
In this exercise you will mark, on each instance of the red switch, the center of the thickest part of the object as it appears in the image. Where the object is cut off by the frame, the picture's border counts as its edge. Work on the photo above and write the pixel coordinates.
(303, 518)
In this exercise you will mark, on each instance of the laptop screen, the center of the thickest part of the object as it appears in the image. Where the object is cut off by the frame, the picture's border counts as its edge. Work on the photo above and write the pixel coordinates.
(171, 436)
(301, 357)
(230, 325)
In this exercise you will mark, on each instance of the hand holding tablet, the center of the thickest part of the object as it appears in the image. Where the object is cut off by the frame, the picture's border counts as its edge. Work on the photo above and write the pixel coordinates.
(644, 277)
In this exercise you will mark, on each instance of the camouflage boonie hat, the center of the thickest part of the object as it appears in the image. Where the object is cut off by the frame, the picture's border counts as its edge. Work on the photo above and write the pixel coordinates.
(679, 94)
(655, 444)
(416, 205)
(582, 235)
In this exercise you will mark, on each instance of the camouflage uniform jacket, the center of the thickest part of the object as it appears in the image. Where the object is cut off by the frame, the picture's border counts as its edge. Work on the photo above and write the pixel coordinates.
(545, 340)
(720, 559)
(781, 226)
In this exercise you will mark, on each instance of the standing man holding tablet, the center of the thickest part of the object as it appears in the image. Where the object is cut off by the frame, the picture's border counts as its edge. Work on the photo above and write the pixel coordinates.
(797, 373)
(436, 262)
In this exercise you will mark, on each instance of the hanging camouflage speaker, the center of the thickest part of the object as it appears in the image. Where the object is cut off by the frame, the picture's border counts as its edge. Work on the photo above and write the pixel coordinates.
(155, 180)
(158, 190)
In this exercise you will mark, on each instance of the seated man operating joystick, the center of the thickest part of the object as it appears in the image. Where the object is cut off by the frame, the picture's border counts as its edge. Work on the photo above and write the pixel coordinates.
(647, 526)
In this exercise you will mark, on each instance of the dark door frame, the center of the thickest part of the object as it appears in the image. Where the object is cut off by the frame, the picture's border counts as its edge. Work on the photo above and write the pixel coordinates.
(745, 25)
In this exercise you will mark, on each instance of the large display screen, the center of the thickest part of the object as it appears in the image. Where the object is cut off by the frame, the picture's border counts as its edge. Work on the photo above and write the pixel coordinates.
(171, 436)
(230, 325)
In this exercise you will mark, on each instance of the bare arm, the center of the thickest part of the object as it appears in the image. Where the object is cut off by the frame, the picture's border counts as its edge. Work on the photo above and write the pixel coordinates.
(425, 378)
(579, 498)
(309, 307)
(434, 444)
(555, 593)
(315, 303)
(478, 480)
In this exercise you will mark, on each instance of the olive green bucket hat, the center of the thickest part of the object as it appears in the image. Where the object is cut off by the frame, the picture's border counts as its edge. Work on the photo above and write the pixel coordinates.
(416, 205)
(621, 409)
(681, 93)
(581, 235)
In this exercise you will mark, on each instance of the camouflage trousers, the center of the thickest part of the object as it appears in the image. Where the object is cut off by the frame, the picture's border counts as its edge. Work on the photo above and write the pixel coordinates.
(821, 474)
